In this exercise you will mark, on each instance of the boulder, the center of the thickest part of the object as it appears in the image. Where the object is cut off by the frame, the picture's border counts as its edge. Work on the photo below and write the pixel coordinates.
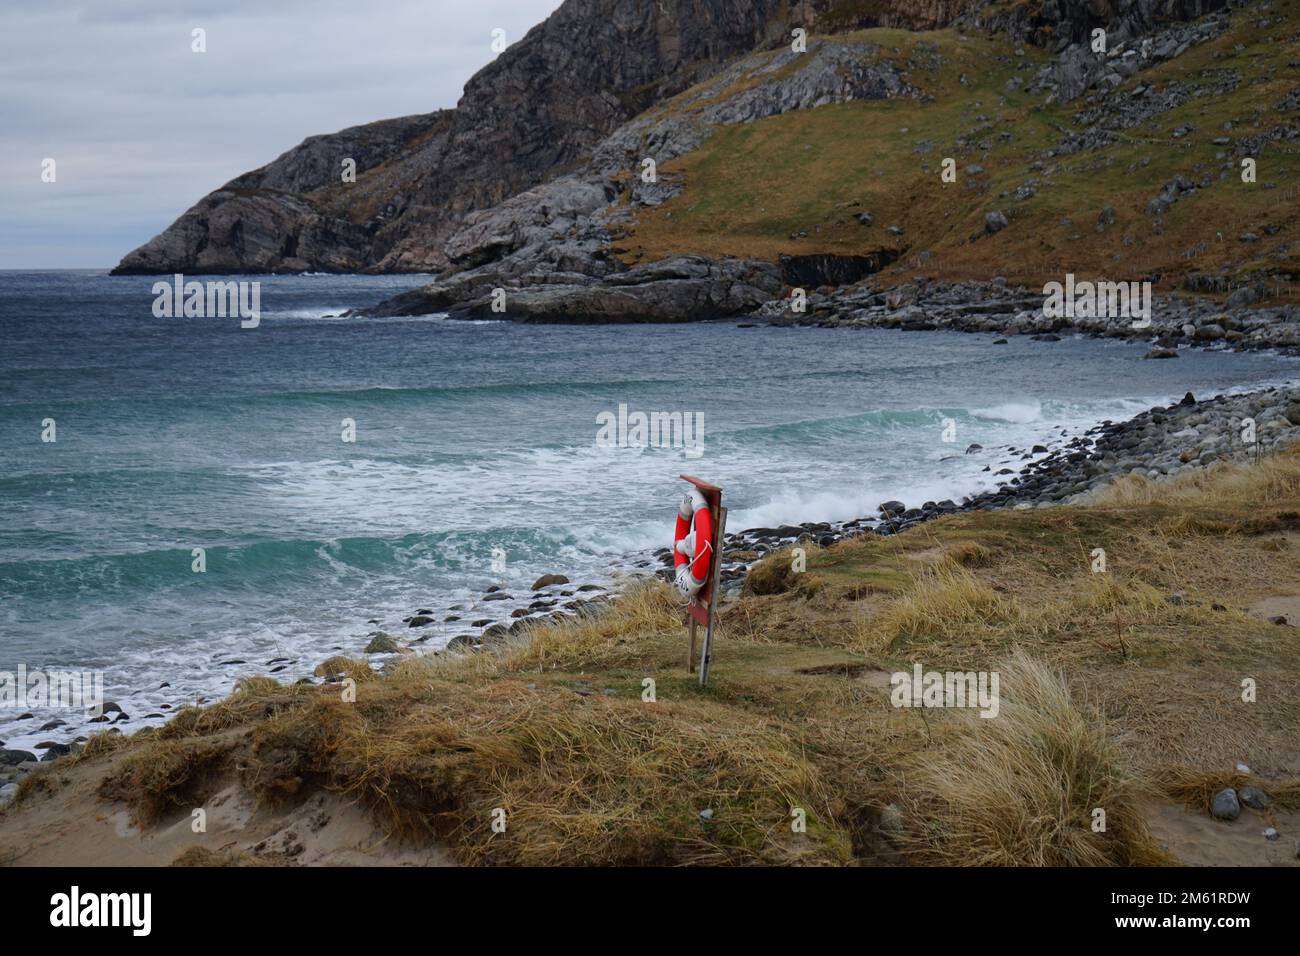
(546, 580)
(994, 221)
(381, 643)
(1225, 805)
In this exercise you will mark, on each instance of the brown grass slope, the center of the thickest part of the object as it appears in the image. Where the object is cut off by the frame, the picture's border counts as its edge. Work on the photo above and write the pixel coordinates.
(753, 189)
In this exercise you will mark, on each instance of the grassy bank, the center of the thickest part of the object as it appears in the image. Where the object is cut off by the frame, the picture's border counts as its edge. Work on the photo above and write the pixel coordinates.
(1117, 689)
(794, 184)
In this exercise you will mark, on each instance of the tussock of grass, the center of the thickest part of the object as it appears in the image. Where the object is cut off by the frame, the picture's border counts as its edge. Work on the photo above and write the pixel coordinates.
(773, 575)
(37, 782)
(202, 856)
(969, 554)
(166, 775)
(776, 573)
(258, 686)
(945, 602)
(1020, 789)
(1109, 596)
(102, 743)
(341, 666)
(1273, 479)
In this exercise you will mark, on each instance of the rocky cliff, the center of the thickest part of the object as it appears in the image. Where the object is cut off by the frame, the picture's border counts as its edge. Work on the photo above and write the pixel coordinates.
(545, 140)
(821, 167)
(541, 104)
(539, 107)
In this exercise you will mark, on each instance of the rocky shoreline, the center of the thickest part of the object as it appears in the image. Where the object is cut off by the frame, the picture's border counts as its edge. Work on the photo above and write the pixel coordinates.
(1158, 443)
(1176, 321)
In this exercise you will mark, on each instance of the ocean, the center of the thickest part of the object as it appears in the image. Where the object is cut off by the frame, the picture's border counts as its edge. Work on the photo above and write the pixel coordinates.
(478, 459)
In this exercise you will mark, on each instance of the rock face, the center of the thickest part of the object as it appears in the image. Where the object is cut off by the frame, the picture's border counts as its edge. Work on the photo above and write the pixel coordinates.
(548, 249)
(680, 289)
(545, 101)
(295, 214)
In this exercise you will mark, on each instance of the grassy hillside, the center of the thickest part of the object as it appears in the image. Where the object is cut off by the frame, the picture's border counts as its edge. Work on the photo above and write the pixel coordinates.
(1115, 694)
(752, 187)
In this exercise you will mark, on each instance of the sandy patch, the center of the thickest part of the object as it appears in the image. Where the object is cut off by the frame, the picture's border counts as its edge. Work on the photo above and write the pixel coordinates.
(72, 827)
(1199, 840)
(1286, 605)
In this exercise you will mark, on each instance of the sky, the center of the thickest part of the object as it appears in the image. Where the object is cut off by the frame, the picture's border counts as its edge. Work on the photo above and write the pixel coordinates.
(140, 127)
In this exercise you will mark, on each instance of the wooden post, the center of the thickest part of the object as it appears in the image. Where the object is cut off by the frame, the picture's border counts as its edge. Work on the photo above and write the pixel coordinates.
(707, 653)
(690, 655)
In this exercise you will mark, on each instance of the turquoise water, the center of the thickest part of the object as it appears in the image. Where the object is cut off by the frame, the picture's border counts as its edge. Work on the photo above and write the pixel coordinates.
(176, 434)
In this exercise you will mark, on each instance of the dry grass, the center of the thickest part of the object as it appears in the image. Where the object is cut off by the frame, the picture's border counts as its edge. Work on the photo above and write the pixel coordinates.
(346, 667)
(785, 570)
(1108, 598)
(1273, 479)
(644, 610)
(945, 602)
(752, 189)
(1196, 788)
(1022, 789)
(969, 554)
(163, 776)
(580, 779)
(202, 856)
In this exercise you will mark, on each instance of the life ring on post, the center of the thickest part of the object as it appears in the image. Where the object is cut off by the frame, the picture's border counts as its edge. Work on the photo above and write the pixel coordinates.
(693, 543)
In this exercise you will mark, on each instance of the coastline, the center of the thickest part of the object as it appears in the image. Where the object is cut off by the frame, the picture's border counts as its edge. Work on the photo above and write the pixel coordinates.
(1068, 467)
(1177, 321)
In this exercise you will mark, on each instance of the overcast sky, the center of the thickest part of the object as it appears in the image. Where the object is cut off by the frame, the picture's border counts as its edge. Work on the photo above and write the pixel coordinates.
(140, 127)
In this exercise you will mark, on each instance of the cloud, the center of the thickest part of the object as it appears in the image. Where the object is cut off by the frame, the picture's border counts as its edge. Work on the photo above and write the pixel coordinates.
(141, 127)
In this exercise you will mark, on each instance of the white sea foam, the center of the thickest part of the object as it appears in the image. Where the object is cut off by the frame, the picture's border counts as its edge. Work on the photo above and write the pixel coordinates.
(1018, 412)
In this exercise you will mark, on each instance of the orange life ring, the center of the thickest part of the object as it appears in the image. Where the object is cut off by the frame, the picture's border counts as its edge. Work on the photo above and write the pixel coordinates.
(693, 543)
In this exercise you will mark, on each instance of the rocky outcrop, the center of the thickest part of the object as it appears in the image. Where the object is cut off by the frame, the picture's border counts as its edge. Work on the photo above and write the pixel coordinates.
(296, 214)
(547, 246)
(1059, 24)
(1176, 321)
(681, 289)
(1133, 42)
